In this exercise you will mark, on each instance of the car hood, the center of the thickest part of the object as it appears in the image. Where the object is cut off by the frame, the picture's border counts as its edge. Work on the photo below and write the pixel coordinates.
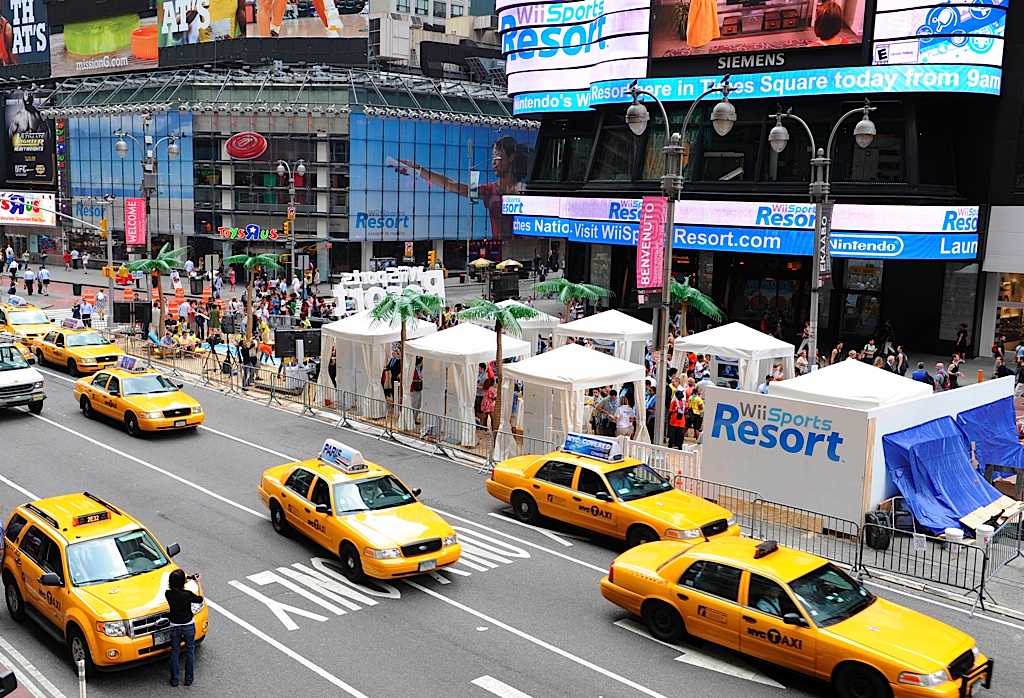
(399, 526)
(922, 644)
(679, 509)
(128, 598)
(94, 351)
(160, 402)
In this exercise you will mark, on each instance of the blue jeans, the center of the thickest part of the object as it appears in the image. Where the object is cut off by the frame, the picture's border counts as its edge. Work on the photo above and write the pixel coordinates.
(188, 634)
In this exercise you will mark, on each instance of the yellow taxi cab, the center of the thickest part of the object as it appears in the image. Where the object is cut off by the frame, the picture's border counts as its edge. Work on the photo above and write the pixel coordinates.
(588, 483)
(796, 610)
(143, 399)
(360, 511)
(20, 344)
(93, 578)
(22, 319)
(79, 348)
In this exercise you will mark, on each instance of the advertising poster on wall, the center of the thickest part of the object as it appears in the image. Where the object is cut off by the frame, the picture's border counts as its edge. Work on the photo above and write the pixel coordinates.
(104, 37)
(215, 20)
(25, 38)
(919, 32)
(700, 27)
(410, 179)
(30, 139)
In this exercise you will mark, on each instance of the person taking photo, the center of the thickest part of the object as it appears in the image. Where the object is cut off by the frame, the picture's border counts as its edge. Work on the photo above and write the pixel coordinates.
(183, 627)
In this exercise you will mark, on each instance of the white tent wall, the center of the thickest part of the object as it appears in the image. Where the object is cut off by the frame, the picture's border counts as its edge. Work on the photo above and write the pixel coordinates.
(629, 334)
(754, 351)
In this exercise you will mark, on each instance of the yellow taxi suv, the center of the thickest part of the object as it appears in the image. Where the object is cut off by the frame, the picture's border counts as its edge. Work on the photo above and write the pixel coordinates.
(141, 398)
(93, 578)
(76, 347)
(588, 483)
(22, 319)
(798, 611)
(360, 511)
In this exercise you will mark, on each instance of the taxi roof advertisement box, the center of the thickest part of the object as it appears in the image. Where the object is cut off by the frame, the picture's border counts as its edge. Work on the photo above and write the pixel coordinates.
(790, 451)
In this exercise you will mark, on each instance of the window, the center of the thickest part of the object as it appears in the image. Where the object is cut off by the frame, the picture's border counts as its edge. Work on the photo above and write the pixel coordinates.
(421, 7)
(114, 386)
(590, 482)
(52, 561)
(768, 597)
(616, 148)
(935, 146)
(713, 578)
(883, 160)
(440, 9)
(402, 5)
(59, 341)
(458, 10)
(100, 381)
(299, 481)
(50, 336)
(339, 152)
(321, 493)
(728, 158)
(32, 543)
(564, 151)
(556, 473)
(14, 527)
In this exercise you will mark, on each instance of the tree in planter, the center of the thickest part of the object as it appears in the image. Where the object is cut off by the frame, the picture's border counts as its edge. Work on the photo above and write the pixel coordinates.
(250, 263)
(686, 295)
(164, 262)
(566, 292)
(506, 320)
(408, 306)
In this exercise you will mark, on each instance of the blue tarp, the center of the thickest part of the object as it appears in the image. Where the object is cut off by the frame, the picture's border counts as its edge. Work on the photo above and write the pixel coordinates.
(993, 429)
(931, 465)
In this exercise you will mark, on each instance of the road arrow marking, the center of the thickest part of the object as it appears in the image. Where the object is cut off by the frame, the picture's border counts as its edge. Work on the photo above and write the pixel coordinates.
(558, 538)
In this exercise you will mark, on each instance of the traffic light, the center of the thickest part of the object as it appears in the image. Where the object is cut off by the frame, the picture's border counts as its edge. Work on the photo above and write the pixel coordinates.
(109, 272)
(103, 227)
(287, 227)
(431, 259)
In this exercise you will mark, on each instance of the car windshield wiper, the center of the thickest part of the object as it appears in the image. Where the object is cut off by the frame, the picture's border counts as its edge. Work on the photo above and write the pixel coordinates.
(105, 581)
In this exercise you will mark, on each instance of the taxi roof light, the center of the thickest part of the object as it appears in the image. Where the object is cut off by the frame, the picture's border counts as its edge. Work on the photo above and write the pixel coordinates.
(94, 517)
(17, 302)
(70, 323)
(130, 363)
(344, 458)
(597, 447)
(766, 548)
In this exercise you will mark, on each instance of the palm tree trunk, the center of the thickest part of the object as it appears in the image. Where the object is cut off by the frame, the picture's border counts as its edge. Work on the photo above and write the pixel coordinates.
(401, 358)
(249, 320)
(160, 305)
(683, 330)
(498, 360)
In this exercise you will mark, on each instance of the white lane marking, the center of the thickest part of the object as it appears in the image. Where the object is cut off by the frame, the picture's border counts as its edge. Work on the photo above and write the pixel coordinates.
(23, 682)
(286, 650)
(602, 570)
(18, 487)
(712, 658)
(155, 468)
(538, 529)
(19, 658)
(537, 641)
(249, 443)
(964, 611)
(498, 688)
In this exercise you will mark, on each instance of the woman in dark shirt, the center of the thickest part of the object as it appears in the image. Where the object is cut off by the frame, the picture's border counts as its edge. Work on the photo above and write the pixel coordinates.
(180, 601)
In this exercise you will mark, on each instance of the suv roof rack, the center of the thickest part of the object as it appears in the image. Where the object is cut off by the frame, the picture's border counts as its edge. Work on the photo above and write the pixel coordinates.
(48, 518)
(106, 504)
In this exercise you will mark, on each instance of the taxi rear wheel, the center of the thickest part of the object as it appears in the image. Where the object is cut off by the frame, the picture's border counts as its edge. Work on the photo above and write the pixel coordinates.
(663, 621)
(525, 508)
(859, 681)
(278, 519)
(15, 604)
(638, 535)
(78, 648)
(351, 565)
(86, 406)
(131, 425)
(73, 368)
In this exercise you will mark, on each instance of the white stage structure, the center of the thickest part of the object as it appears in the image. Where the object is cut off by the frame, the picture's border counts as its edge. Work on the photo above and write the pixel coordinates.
(737, 353)
(533, 329)
(629, 334)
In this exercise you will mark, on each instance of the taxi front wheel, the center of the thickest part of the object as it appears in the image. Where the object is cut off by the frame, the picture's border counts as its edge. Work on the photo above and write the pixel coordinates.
(131, 425)
(859, 681)
(351, 565)
(73, 368)
(638, 535)
(663, 621)
(78, 648)
(525, 508)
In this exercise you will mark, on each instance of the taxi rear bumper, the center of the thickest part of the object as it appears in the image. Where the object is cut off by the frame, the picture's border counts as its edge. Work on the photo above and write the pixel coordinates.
(498, 490)
(409, 566)
(624, 598)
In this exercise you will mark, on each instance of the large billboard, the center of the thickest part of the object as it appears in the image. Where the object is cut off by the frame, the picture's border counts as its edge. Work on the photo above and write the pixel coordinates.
(30, 140)
(413, 179)
(24, 38)
(203, 21)
(103, 37)
(926, 31)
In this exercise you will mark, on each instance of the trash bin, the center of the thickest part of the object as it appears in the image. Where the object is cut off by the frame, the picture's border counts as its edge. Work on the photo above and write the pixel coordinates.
(76, 289)
(196, 285)
(462, 278)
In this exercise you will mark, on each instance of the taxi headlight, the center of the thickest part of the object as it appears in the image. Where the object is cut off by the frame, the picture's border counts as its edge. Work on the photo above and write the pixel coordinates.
(87, 362)
(151, 415)
(683, 534)
(731, 521)
(449, 541)
(197, 410)
(386, 554)
(113, 628)
(926, 680)
(975, 652)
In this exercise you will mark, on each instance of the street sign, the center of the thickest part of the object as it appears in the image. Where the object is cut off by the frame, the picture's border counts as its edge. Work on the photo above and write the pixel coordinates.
(328, 245)
(824, 226)
(291, 213)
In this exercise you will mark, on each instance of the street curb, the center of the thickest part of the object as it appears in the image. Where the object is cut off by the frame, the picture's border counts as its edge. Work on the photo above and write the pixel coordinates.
(923, 587)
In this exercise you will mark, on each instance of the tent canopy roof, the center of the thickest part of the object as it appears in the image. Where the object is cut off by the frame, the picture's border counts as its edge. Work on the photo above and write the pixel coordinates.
(574, 367)
(543, 321)
(608, 324)
(361, 328)
(466, 343)
(851, 384)
(735, 341)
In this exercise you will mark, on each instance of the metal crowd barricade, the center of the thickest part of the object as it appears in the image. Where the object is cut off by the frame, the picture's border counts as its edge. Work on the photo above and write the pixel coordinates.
(667, 462)
(456, 435)
(1005, 544)
(820, 534)
(929, 558)
(739, 501)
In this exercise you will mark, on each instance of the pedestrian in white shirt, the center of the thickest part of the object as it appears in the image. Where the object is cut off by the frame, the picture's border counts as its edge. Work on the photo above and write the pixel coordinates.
(85, 262)
(30, 281)
(75, 254)
(189, 266)
(296, 286)
(86, 308)
(44, 277)
(101, 304)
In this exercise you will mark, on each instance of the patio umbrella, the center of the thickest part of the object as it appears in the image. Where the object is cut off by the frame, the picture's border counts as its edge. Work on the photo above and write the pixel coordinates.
(509, 264)
(480, 263)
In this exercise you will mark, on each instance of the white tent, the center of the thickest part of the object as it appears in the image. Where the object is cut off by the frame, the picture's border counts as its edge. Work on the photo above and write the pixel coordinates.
(461, 348)
(564, 374)
(753, 351)
(851, 384)
(363, 349)
(628, 333)
(533, 329)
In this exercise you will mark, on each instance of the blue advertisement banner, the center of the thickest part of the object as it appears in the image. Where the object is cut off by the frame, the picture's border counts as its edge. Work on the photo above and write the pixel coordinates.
(410, 179)
(797, 243)
(872, 80)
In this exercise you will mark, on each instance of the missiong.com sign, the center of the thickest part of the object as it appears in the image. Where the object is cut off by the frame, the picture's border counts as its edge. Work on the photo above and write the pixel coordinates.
(135, 221)
(650, 245)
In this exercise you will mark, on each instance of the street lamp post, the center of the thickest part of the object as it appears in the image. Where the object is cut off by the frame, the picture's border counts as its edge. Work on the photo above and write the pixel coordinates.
(283, 168)
(820, 188)
(723, 116)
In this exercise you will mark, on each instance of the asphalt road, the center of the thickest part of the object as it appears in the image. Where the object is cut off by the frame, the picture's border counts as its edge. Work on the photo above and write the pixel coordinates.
(522, 615)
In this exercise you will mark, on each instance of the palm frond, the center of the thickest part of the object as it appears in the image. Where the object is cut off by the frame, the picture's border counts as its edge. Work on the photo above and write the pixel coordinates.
(396, 309)
(702, 303)
(568, 291)
(166, 259)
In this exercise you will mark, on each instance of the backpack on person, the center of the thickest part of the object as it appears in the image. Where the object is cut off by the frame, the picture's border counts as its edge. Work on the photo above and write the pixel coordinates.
(942, 381)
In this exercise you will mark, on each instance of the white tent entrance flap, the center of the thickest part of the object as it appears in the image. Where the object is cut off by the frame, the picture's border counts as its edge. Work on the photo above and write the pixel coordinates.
(629, 334)
(450, 359)
(736, 344)
(554, 383)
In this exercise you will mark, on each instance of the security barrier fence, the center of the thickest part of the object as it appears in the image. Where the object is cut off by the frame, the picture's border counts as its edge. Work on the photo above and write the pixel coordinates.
(667, 462)
(742, 503)
(820, 534)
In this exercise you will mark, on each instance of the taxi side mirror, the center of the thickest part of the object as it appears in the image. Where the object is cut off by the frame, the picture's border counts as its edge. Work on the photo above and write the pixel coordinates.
(8, 683)
(795, 619)
(603, 497)
(323, 509)
(173, 549)
(416, 492)
(114, 392)
(179, 385)
(51, 579)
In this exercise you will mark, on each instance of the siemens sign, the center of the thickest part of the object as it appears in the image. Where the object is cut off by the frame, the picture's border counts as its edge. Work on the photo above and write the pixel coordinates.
(774, 427)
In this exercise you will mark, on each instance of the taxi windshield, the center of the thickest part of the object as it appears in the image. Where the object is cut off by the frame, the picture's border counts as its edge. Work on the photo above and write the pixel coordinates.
(636, 482)
(27, 317)
(87, 339)
(11, 359)
(114, 557)
(148, 384)
(830, 595)
(371, 495)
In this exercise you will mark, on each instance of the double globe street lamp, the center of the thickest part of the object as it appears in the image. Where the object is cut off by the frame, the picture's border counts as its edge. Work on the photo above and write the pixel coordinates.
(723, 117)
(284, 168)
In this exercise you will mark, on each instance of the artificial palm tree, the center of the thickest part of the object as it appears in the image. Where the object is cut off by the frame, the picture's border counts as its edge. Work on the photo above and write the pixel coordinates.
(506, 319)
(686, 295)
(164, 262)
(409, 306)
(250, 263)
(566, 291)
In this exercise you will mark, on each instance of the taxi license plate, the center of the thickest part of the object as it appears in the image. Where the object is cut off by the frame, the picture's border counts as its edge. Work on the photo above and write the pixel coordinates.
(179, 422)
(428, 565)
(163, 638)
